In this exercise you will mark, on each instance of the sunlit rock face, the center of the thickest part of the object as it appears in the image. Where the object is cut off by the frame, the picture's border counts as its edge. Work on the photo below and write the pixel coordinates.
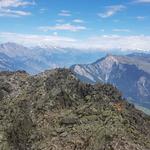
(130, 74)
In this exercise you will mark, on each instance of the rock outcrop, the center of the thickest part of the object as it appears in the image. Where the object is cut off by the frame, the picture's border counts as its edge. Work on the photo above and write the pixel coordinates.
(55, 111)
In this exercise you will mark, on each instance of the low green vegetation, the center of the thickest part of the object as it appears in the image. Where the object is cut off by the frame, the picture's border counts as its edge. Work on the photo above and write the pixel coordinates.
(55, 111)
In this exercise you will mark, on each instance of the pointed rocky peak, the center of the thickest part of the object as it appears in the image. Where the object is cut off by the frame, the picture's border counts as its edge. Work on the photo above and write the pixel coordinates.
(107, 63)
(109, 58)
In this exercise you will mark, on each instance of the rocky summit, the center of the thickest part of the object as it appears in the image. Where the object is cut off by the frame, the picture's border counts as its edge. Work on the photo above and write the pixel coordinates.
(55, 111)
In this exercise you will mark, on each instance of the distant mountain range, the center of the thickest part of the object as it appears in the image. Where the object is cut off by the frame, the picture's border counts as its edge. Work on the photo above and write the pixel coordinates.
(130, 74)
(6, 62)
(36, 59)
(18, 57)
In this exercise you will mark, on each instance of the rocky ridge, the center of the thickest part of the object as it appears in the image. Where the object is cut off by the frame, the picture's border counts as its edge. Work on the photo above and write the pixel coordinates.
(55, 111)
(130, 74)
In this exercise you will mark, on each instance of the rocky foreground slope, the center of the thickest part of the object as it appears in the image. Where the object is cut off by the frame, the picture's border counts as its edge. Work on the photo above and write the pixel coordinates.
(55, 111)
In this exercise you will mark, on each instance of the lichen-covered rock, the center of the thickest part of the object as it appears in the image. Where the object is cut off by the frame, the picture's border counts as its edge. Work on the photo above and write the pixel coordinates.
(69, 120)
(54, 111)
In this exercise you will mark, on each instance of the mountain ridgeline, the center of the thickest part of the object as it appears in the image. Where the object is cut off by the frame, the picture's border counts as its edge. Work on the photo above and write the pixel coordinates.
(55, 111)
(34, 60)
(130, 74)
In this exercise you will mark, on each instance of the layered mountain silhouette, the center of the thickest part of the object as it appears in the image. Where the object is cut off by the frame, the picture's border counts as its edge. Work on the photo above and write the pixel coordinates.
(54, 110)
(34, 60)
(130, 74)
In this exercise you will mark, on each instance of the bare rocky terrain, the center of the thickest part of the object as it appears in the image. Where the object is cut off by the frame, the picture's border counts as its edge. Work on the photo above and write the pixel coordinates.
(55, 111)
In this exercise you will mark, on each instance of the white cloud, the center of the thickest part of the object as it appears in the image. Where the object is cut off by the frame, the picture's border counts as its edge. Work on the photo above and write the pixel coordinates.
(14, 3)
(65, 13)
(121, 30)
(140, 18)
(105, 42)
(34, 40)
(13, 13)
(78, 21)
(64, 27)
(111, 10)
(108, 42)
(8, 8)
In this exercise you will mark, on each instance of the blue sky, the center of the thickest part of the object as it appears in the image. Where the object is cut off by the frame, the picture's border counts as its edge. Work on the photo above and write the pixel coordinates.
(81, 24)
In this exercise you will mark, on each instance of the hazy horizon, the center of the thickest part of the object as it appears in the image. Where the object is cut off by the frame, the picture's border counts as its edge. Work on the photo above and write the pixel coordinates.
(105, 25)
